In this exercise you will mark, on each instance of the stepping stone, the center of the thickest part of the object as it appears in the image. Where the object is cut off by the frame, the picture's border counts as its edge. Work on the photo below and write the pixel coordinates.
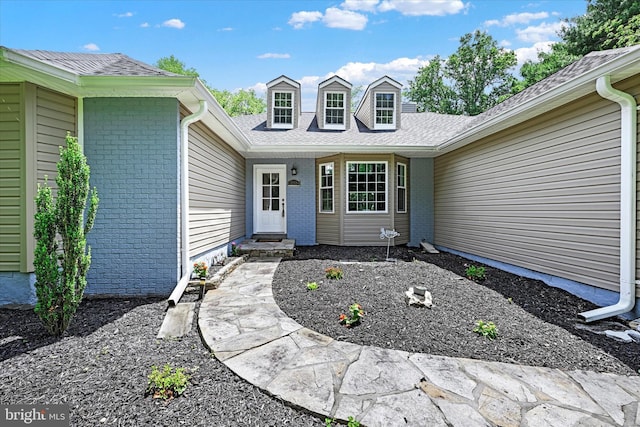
(178, 320)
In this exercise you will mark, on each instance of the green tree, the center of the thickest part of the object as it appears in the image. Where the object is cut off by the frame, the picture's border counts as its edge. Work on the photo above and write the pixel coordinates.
(607, 24)
(234, 103)
(547, 64)
(61, 265)
(174, 65)
(473, 79)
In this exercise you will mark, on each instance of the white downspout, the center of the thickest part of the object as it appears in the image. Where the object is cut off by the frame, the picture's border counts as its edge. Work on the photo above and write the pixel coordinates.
(184, 201)
(628, 174)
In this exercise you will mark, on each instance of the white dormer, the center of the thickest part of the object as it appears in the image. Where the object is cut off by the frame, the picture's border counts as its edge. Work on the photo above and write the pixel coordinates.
(380, 106)
(283, 103)
(333, 105)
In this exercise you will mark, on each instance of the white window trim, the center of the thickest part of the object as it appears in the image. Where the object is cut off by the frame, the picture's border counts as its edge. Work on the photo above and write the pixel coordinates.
(275, 125)
(342, 126)
(386, 188)
(398, 186)
(385, 126)
(332, 187)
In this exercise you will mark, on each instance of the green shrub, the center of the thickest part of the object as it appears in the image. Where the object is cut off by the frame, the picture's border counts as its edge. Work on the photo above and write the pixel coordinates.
(312, 286)
(167, 384)
(61, 265)
(475, 273)
(334, 273)
(487, 329)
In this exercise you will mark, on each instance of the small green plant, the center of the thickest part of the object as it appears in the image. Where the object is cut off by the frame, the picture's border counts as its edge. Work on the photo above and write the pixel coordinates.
(167, 384)
(235, 249)
(312, 286)
(356, 313)
(200, 269)
(351, 422)
(334, 273)
(475, 273)
(486, 329)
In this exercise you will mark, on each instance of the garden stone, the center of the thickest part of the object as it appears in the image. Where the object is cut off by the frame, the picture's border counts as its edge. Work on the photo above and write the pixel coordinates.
(413, 298)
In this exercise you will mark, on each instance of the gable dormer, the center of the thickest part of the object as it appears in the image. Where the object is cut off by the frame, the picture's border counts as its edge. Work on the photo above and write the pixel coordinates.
(283, 103)
(380, 106)
(333, 105)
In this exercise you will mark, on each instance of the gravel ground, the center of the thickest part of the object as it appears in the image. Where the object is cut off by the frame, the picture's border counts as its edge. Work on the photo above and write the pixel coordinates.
(100, 366)
(537, 324)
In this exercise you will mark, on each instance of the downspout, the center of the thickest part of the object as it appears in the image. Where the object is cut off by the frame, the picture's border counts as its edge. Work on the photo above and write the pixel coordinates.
(184, 201)
(628, 174)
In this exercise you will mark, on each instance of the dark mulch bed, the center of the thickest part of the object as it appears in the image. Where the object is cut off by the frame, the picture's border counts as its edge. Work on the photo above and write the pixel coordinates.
(100, 367)
(537, 324)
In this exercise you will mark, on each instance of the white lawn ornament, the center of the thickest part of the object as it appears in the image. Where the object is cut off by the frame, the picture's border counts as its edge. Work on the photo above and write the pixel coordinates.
(388, 234)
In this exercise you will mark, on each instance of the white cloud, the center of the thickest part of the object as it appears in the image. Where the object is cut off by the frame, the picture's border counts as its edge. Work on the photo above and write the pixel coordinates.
(124, 15)
(91, 47)
(505, 43)
(540, 33)
(363, 5)
(363, 73)
(421, 7)
(525, 54)
(346, 19)
(144, 25)
(299, 19)
(174, 23)
(225, 29)
(517, 18)
(274, 56)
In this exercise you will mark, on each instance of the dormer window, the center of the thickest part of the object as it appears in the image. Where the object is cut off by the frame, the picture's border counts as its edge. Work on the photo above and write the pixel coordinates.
(334, 112)
(385, 111)
(283, 110)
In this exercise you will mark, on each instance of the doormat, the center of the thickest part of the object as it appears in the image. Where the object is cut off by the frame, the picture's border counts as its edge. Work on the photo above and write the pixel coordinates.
(269, 240)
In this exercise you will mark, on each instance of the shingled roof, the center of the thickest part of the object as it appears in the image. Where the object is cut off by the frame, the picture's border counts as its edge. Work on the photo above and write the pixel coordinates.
(418, 130)
(94, 64)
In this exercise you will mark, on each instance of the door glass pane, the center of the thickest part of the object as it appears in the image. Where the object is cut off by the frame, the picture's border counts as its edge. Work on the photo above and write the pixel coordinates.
(265, 178)
(266, 191)
(275, 191)
(266, 204)
(275, 179)
(275, 204)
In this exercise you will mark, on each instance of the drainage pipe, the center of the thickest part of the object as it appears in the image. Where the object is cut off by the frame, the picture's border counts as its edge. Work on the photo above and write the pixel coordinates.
(184, 201)
(628, 174)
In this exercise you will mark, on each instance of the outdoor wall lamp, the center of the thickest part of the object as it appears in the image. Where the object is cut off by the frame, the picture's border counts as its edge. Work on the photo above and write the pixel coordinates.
(294, 171)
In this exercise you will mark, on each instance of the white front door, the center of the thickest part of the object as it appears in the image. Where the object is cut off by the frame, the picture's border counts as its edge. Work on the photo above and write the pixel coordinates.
(269, 203)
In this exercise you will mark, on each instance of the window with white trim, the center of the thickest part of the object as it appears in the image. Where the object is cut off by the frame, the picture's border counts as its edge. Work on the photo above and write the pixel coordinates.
(334, 110)
(283, 110)
(402, 187)
(385, 111)
(326, 187)
(367, 187)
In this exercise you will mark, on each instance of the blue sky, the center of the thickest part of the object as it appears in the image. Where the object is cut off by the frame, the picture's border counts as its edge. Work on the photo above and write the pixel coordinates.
(246, 43)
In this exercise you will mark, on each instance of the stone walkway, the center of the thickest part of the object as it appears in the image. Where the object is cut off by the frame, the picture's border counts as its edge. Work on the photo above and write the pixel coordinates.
(241, 323)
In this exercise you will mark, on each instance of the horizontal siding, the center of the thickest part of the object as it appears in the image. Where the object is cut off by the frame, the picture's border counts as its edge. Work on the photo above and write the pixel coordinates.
(55, 116)
(544, 195)
(216, 191)
(364, 230)
(11, 160)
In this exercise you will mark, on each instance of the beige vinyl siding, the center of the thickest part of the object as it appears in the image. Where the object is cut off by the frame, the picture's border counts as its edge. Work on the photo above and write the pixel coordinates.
(328, 225)
(402, 224)
(543, 195)
(11, 174)
(56, 114)
(334, 87)
(216, 191)
(360, 229)
(365, 110)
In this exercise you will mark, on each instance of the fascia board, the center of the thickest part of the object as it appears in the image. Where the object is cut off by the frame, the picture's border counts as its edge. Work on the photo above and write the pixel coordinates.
(139, 86)
(337, 79)
(217, 119)
(619, 68)
(39, 66)
(355, 149)
(285, 79)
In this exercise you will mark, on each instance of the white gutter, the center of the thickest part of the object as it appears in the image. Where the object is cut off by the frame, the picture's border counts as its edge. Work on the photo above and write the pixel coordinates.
(184, 201)
(628, 174)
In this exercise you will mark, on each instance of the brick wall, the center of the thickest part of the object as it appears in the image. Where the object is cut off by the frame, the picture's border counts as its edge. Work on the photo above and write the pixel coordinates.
(132, 148)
